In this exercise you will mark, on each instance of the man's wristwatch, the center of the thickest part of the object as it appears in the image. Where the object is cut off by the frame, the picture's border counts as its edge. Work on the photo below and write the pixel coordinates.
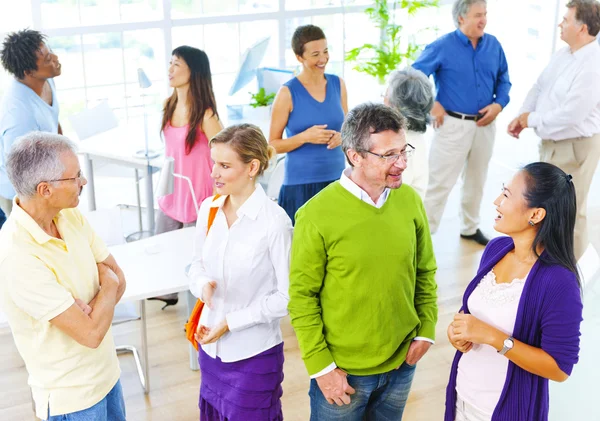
(508, 345)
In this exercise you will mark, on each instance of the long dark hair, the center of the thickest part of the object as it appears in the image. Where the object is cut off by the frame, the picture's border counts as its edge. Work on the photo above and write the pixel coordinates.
(549, 187)
(201, 97)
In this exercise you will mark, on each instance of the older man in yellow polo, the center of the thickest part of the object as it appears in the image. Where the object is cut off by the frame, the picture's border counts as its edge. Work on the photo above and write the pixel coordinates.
(59, 286)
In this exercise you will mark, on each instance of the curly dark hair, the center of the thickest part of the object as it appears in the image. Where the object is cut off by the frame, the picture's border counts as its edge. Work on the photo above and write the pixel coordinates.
(19, 51)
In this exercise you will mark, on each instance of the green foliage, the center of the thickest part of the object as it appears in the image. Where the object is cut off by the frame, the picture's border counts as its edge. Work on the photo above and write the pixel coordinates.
(261, 99)
(380, 60)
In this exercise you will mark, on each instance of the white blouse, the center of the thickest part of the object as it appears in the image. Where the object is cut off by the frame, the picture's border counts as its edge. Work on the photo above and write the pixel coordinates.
(482, 371)
(250, 263)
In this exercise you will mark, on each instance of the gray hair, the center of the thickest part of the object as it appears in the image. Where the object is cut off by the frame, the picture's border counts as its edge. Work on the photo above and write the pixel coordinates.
(461, 8)
(35, 158)
(367, 119)
(411, 92)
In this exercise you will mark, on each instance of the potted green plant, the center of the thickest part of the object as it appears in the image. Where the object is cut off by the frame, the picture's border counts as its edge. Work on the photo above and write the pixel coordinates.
(381, 59)
(261, 99)
(261, 106)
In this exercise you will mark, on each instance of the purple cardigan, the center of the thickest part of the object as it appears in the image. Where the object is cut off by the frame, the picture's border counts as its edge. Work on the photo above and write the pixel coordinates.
(548, 317)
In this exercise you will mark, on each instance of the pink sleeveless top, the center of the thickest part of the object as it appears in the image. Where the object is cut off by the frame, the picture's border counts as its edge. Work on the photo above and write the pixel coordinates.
(197, 166)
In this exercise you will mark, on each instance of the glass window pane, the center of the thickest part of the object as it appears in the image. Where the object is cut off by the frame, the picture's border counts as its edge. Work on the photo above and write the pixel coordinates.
(69, 13)
(71, 102)
(186, 8)
(311, 4)
(140, 10)
(70, 54)
(5, 79)
(19, 16)
(258, 6)
(103, 58)
(60, 13)
(188, 35)
(96, 12)
(113, 94)
(144, 49)
(222, 46)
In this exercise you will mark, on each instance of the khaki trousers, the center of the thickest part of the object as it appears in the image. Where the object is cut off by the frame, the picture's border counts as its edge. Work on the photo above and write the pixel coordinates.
(458, 146)
(6, 205)
(578, 157)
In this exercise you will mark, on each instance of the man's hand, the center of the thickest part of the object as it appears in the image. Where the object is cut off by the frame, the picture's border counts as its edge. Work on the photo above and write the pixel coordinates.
(515, 128)
(489, 114)
(87, 309)
(334, 386)
(107, 278)
(524, 120)
(416, 351)
(437, 112)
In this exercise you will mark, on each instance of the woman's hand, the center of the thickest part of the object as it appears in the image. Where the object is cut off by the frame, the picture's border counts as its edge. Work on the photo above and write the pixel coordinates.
(205, 335)
(207, 293)
(318, 134)
(462, 346)
(335, 141)
(468, 328)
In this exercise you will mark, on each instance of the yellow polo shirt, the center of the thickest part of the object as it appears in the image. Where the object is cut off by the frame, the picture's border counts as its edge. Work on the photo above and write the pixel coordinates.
(39, 278)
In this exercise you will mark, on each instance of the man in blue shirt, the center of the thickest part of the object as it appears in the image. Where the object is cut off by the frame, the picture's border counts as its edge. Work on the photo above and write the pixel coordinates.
(471, 78)
(30, 101)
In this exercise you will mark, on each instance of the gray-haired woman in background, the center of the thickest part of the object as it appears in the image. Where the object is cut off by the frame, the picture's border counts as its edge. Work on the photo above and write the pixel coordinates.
(411, 93)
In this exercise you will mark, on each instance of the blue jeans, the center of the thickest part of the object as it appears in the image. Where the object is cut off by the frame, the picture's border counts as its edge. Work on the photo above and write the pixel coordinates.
(380, 397)
(111, 408)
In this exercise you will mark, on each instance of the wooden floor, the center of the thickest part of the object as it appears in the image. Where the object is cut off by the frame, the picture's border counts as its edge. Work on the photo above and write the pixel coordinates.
(174, 394)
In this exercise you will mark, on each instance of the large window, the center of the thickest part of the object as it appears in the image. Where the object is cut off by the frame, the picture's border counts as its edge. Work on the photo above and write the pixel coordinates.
(103, 43)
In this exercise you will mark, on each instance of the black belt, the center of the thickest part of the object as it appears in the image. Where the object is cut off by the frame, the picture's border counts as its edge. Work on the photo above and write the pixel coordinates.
(464, 116)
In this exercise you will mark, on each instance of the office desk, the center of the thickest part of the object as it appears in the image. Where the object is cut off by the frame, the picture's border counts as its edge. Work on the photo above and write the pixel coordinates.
(118, 146)
(156, 266)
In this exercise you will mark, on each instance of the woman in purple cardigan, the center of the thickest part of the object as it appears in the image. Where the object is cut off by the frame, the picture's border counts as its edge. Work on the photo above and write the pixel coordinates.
(519, 323)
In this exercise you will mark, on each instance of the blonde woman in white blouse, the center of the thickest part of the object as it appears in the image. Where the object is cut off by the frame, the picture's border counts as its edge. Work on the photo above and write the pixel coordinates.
(240, 270)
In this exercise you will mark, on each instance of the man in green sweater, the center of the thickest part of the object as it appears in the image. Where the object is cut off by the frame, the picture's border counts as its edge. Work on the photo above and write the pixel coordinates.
(362, 278)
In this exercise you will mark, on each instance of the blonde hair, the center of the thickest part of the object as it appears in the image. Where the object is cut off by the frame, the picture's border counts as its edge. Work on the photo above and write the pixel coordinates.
(248, 141)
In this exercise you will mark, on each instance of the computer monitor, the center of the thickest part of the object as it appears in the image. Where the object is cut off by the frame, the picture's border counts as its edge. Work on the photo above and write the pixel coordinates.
(251, 59)
(272, 79)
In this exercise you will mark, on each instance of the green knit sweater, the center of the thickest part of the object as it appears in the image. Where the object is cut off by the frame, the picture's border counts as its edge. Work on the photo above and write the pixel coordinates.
(362, 280)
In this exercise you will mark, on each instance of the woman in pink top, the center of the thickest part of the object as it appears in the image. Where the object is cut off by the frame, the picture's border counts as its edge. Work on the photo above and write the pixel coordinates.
(190, 119)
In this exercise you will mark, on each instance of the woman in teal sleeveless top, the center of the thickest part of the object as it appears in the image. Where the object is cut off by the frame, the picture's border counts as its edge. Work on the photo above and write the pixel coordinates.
(311, 109)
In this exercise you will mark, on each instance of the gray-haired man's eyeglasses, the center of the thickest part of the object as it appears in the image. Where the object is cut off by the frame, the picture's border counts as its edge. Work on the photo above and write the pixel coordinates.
(79, 178)
(393, 158)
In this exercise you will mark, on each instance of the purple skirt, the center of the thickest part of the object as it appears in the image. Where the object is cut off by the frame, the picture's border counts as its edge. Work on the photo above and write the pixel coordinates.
(247, 390)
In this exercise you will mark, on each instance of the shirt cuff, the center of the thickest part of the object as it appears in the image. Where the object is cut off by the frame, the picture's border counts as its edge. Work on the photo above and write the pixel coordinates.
(422, 338)
(501, 102)
(241, 319)
(534, 120)
(326, 370)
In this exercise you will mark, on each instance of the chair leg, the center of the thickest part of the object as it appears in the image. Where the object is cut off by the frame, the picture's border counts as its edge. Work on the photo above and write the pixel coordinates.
(139, 198)
(136, 357)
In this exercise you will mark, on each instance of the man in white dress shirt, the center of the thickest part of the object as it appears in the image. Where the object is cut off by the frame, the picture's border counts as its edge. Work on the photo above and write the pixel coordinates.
(563, 107)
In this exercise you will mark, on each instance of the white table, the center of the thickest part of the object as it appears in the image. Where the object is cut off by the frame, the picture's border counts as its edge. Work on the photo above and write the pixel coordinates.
(119, 146)
(156, 266)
